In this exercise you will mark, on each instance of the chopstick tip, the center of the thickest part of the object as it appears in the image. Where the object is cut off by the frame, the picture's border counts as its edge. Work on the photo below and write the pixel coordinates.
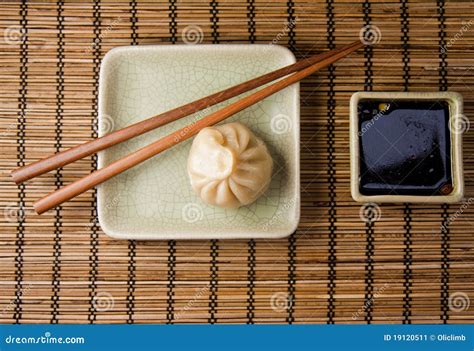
(38, 207)
(16, 177)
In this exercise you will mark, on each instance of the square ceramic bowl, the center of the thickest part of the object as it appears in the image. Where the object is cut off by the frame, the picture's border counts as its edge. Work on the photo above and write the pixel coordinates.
(455, 124)
(155, 200)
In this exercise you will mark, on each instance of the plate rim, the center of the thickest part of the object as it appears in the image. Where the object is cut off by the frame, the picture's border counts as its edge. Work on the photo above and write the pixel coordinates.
(281, 232)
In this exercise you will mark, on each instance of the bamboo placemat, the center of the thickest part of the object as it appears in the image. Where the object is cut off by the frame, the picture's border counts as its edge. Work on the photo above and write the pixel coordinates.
(410, 264)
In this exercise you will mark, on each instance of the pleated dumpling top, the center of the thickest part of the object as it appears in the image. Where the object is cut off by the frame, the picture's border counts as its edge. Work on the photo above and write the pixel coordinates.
(229, 166)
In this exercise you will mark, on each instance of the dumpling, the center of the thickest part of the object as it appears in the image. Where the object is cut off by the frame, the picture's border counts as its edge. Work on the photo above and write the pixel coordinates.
(229, 166)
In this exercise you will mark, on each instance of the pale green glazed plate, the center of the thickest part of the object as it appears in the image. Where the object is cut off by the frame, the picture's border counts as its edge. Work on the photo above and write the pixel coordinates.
(155, 200)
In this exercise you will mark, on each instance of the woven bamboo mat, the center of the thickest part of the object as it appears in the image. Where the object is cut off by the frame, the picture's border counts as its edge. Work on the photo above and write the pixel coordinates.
(412, 265)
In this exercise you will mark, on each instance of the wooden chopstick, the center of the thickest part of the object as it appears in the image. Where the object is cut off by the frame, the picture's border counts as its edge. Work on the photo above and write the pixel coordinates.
(78, 187)
(80, 151)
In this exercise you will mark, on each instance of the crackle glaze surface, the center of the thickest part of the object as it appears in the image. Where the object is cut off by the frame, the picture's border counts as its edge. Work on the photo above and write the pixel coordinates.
(155, 200)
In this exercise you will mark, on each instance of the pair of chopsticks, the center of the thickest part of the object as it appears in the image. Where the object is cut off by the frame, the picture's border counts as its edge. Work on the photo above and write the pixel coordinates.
(302, 68)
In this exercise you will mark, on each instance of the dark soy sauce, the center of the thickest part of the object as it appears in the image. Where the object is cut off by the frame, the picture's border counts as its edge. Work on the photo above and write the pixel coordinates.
(404, 148)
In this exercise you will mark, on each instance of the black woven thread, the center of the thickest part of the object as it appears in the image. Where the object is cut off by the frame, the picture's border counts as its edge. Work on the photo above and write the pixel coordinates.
(94, 237)
(291, 27)
(407, 212)
(445, 264)
(369, 268)
(292, 239)
(22, 106)
(251, 243)
(405, 28)
(214, 243)
(368, 50)
(291, 278)
(407, 271)
(251, 282)
(369, 225)
(58, 174)
(251, 20)
(171, 278)
(213, 286)
(134, 20)
(132, 243)
(331, 104)
(171, 243)
(214, 21)
(173, 25)
(443, 63)
(131, 281)
(443, 86)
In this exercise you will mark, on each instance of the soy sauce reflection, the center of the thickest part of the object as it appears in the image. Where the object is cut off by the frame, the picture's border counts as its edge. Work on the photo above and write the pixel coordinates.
(404, 148)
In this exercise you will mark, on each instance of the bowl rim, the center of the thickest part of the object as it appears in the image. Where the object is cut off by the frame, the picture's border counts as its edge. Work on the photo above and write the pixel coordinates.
(455, 102)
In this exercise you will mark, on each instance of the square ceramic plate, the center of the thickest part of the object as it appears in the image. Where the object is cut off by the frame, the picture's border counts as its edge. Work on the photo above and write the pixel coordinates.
(155, 200)
(456, 121)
